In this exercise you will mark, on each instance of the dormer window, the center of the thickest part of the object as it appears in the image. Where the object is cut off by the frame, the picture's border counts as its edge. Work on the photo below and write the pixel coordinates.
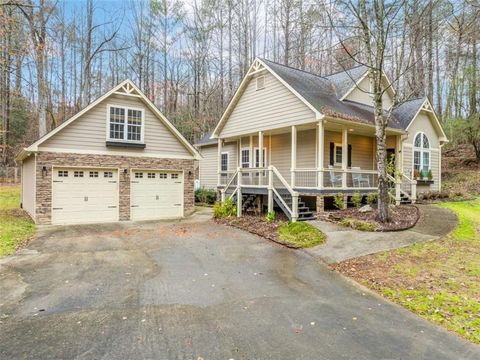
(125, 124)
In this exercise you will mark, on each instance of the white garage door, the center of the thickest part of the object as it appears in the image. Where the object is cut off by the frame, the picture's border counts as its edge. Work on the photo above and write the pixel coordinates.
(81, 196)
(156, 195)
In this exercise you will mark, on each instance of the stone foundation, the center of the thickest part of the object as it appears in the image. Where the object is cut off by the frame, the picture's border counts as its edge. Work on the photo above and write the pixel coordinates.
(43, 209)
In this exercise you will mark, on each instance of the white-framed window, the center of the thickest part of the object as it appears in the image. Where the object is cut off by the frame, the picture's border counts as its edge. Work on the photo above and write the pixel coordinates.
(62, 173)
(138, 175)
(125, 124)
(151, 175)
(78, 174)
(174, 176)
(338, 154)
(108, 174)
(260, 82)
(421, 153)
(162, 176)
(257, 157)
(245, 158)
(224, 161)
(93, 174)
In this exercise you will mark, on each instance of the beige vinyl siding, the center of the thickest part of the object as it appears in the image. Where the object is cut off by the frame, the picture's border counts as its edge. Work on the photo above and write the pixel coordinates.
(28, 185)
(422, 123)
(362, 149)
(361, 94)
(208, 167)
(274, 106)
(306, 149)
(209, 163)
(281, 154)
(88, 132)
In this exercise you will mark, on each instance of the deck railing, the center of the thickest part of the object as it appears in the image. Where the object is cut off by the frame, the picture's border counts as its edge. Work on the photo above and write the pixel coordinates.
(335, 179)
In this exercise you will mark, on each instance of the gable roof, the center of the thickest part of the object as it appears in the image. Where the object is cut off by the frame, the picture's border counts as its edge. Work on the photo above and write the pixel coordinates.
(127, 88)
(405, 112)
(206, 140)
(325, 95)
(343, 81)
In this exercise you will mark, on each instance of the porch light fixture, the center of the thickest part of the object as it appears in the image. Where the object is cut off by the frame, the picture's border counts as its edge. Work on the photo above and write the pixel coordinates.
(189, 173)
(125, 171)
(44, 171)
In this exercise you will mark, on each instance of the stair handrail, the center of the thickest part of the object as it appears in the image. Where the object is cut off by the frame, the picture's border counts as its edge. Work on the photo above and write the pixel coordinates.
(227, 185)
(294, 209)
(413, 187)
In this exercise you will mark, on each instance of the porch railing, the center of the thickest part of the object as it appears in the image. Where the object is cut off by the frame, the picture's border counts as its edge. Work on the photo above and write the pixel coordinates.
(335, 179)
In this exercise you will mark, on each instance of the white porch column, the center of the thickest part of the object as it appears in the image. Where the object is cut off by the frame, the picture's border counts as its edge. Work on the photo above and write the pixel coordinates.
(219, 162)
(239, 193)
(320, 153)
(398, 153)
(270, 188)
(260, 156)
(251, 154)
(293, 156)
(344, 156)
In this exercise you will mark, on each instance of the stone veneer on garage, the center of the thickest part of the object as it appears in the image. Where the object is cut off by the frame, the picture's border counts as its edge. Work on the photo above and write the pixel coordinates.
(49, 160)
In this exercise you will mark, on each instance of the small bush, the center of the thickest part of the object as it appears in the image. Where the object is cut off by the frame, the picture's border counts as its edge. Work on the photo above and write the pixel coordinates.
(301, 234)
(358, 224)
(372, 198)
(270, 217)
(356, 200)
(434, 195)
(205, 196)
(430, 175)
(338, 201)
(227, 209)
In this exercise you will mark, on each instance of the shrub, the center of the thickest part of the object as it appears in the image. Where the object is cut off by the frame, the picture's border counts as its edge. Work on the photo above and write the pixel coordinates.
(356, 200)
(227, 209)
(430, 175)
(358, 224)
(270, 217)
(372, 198)
(205, 196)
(338, 201)
(421, 174)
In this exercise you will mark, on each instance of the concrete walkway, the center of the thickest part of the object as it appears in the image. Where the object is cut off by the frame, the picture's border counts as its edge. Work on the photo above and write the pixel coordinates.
(344, 243)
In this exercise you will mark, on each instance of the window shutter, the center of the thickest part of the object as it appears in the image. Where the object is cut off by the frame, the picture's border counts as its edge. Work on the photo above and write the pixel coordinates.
(332, 153)
(349, 159)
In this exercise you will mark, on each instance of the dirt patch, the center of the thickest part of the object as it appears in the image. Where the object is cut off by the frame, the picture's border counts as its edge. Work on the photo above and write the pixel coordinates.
(401, 217)
(258, 226)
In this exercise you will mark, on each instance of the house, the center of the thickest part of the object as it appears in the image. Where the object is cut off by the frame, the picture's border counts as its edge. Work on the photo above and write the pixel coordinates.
(117, 159)
(293, 139)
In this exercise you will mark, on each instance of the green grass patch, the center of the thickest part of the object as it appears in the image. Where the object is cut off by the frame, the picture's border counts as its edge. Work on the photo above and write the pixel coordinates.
(358, 224)
(301, 234)
(16, 227)
(439, 280)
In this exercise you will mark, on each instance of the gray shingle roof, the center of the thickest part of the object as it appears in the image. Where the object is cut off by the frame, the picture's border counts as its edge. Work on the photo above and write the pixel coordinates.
(205, 140)
(344, 80)
(324, 95)
(405, 112)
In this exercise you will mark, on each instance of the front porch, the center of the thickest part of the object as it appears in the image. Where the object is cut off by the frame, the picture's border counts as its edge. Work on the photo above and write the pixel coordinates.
(315, 159)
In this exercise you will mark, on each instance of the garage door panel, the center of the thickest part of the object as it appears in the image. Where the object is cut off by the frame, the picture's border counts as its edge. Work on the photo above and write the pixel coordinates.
(78, 197)
(158, 196)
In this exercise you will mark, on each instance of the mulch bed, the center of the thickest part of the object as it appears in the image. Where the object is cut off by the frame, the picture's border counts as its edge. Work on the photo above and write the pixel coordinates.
(258, 226)
(402, 217)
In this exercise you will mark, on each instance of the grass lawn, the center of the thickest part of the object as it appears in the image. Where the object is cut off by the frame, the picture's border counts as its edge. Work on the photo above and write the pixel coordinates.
(439, 280)
(15, 226)
(301, 233)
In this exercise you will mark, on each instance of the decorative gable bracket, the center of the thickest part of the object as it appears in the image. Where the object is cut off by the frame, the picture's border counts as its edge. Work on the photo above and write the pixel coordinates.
(257, 67)
(127, 89)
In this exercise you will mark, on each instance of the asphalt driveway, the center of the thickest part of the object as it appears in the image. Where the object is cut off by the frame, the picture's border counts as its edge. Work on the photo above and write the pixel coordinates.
(191, 290)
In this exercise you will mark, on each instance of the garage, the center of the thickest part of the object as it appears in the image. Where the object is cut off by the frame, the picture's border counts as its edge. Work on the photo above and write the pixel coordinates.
(156, 194)
(84, 195)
